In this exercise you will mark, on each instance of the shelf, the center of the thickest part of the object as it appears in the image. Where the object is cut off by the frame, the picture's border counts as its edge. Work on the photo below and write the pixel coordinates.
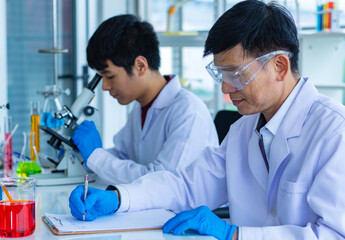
(198, 40)
(181, 40)
(313, 34)
(331, 86)
(316, 50)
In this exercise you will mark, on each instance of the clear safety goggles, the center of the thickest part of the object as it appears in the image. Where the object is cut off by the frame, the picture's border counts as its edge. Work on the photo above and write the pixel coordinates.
(239, 79)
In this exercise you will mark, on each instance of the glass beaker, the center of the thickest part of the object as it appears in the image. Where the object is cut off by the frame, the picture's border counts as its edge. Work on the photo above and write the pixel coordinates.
(17, 216)
(26, 167)
(50, 107)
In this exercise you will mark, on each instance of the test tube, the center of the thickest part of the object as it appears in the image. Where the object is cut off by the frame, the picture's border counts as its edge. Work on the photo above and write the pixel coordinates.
(8, 160)
(35, 121)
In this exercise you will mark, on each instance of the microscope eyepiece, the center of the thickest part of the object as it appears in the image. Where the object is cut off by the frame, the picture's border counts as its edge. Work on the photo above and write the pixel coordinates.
(94, 82)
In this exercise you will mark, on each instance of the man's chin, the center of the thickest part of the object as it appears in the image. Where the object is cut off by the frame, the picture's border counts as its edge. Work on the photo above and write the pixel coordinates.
(123, 102)
(246, 111)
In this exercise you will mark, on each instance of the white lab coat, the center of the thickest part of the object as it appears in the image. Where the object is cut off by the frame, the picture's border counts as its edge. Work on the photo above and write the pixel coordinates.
(302, 197)
(178, 126)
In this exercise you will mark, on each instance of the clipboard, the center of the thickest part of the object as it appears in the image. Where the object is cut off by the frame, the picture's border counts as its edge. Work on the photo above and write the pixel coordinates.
(119, 222)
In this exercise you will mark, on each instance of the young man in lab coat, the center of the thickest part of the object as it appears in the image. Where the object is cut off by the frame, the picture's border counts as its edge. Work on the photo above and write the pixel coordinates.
(281, 167)
(168, 125)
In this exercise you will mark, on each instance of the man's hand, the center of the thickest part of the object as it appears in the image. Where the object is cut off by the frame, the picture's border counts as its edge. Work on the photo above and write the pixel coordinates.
(87, 139)
(98, 202)
(203, 220)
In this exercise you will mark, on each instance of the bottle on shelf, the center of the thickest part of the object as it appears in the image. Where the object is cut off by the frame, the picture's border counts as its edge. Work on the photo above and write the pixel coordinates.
(327, 15)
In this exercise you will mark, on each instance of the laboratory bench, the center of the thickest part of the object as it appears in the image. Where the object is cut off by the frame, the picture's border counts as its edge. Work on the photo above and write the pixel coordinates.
(54, 199)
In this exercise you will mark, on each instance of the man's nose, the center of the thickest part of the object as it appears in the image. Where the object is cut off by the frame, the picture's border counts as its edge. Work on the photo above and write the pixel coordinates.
(227, 88)
(105, 85)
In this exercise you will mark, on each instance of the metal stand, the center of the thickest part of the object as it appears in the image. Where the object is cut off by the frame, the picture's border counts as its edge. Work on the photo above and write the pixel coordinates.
(73, 171)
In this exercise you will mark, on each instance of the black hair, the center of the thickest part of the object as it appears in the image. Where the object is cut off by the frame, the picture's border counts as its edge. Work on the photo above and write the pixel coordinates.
(259, 27)
(121, 39)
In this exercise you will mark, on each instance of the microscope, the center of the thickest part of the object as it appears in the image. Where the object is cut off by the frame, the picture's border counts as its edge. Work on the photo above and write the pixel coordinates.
(80, 109)
(69, 168)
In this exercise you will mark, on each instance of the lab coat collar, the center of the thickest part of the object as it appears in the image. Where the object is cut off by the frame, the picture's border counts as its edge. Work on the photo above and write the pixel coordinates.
(291, 127)
(168, 93)
(164, 98)
(275, 122)
(293, 122)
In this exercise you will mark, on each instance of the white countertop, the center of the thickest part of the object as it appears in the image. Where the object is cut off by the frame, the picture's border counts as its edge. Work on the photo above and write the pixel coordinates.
(54, 199)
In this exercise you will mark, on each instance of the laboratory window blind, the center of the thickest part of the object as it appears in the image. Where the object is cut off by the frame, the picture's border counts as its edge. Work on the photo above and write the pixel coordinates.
(30, 28)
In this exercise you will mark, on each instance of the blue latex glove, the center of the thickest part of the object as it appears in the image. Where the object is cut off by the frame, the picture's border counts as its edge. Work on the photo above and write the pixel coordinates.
(201, 219)
(87, 139)
(61, 152)
(98, 202)
(49, 121)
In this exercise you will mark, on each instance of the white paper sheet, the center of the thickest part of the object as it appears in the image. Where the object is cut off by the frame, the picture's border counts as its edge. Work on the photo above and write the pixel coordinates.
(154, 218)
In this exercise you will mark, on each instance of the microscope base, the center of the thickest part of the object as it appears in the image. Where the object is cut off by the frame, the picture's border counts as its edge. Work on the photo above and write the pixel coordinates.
(53, 179)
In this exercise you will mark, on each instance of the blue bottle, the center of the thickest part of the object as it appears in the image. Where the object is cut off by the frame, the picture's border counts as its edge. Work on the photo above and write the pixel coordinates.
(319, 17)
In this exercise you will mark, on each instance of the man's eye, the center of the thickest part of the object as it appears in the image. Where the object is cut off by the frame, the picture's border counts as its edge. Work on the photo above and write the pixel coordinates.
(110, 77)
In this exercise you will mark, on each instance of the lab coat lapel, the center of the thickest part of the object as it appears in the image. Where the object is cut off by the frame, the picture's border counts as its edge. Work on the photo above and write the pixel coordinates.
(148, 121)
(135, 116)
(256, 161)
(279, 152)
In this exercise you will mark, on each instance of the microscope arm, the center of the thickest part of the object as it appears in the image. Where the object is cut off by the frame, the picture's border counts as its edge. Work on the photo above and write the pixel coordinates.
(56, 139)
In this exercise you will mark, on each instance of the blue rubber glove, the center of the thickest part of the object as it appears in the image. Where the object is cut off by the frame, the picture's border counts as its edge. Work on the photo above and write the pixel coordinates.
(87, 139)
(201, 219)
(98, 202)
(61, 152)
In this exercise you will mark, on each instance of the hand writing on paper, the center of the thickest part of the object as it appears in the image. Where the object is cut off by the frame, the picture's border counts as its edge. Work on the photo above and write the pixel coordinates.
(98, 203)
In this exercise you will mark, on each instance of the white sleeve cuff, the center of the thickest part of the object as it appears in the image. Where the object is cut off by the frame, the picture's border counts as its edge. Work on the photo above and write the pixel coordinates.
(124, 195)
(92, 161)
(254, 233)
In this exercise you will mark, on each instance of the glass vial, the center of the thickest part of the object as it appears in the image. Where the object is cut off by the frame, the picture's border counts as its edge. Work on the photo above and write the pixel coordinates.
(8, 152)
(35, 131)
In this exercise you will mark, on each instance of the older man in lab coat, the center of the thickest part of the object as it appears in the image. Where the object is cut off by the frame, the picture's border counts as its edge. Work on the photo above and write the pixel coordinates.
(281, 167)
(163, 131)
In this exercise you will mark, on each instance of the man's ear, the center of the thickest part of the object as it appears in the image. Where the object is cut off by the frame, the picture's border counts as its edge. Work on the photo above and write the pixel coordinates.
(282, 66)
(141, 65)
